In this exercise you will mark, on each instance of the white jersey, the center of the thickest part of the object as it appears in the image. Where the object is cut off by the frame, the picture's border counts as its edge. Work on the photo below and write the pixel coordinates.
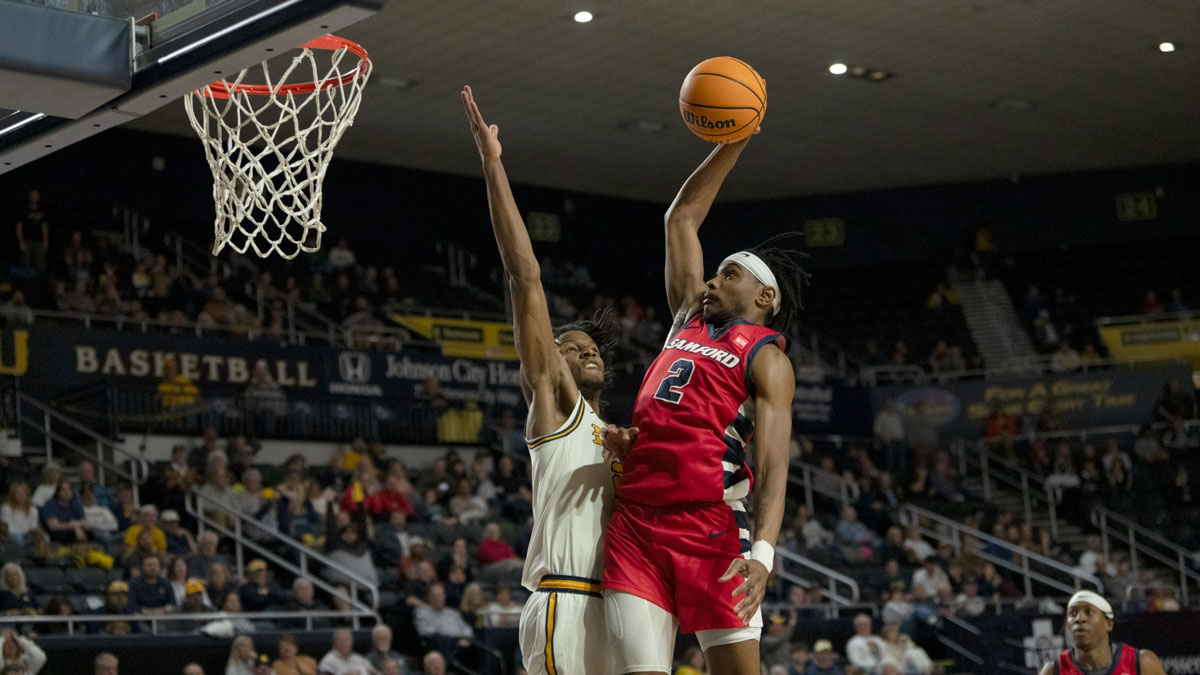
(572, 500)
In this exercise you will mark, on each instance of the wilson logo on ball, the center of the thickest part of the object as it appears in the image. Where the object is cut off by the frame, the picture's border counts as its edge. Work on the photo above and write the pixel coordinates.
(703, 122)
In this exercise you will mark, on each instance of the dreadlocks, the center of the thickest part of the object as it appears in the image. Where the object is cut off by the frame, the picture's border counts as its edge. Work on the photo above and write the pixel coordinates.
(604, 331)
(791, 277)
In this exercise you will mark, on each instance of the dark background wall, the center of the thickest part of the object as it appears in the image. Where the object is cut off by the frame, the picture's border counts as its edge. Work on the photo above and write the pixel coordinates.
(406, 212)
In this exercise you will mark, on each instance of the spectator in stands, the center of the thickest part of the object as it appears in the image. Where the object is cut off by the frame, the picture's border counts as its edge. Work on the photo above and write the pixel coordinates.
(175, 389)
(908, 657)
(179, 541)
(264, 397)
(929, 579)
(443, 625)
(63, 516)
(144, 548)
(889, 435)
(16, 310)
(472, 605)
(18, 514)
(15, 597)
(205, 555)
(87, 478)
(51, 477)
(1066, 359)
(392, 497)
(1092, 560)
(922, 431)
(126, 511)
(944, 482)
(242, 656)
(106, 664)
(259, 504)
(147, 520)
(1175, 405)
(192, 597)
(433, 663)
(200, 455)
(824, 660)
(151, 593)
(1151, 305)
(304, 600)
(341, 257)
(230, 605)
(341, 659)
(942, 297)
(178, 477)
(814, 535)
(969, 603)
(177, 577)
(693, 662)
(865, 650)
(351, 555)
(259, 593)
(99, 521)
(851, 532)
(116, 601)
(193, 669)
(1045, 333)
(381, 640)
(918, 549)
(291, 661)
(495, 554)
(391, 542)
(1050, 418)
(217, 491)
(465, 506)
(502, 612)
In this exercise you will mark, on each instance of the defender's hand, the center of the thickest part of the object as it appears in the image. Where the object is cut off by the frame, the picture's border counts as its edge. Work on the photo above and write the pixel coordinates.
(487, 138)
(755, 586)
(617, 441)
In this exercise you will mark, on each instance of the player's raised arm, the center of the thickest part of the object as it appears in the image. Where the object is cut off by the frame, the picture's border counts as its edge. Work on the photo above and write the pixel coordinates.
(685, 259)
(541, 366)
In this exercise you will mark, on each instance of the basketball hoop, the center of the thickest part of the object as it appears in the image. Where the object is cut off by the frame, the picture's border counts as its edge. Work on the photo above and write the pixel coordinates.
(267, 163)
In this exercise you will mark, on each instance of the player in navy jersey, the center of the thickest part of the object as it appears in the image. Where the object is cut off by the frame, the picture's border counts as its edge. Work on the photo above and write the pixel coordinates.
(1090, 620)
(679, 552)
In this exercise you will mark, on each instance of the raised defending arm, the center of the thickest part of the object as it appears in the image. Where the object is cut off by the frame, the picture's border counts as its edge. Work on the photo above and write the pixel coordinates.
(542, 368)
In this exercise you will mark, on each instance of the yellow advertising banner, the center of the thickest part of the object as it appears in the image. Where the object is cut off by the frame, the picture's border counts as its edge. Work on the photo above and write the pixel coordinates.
(1147, 340)
(464, 338)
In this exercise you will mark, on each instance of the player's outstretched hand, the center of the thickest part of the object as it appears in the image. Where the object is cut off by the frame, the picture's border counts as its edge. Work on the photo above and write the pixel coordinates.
(617, 442)
(487, 138)
(755, 586)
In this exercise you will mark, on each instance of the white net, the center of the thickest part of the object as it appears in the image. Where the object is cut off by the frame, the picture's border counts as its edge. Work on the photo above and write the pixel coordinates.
(269, 150)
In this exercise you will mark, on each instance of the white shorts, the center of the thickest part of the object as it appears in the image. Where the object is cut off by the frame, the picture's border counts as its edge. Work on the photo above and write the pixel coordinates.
(643, 634)
(563, 633)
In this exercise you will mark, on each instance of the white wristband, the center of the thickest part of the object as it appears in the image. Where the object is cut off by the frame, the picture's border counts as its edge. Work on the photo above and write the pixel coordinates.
(763, 553)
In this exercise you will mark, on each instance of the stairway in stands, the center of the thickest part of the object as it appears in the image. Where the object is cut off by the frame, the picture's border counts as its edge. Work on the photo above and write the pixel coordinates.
(994, 324)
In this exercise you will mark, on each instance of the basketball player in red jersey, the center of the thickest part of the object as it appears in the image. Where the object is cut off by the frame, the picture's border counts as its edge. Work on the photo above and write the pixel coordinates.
(1090, 620)
(679, 553)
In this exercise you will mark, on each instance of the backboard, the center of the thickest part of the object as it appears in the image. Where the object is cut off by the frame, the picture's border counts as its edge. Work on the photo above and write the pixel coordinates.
(139, 56)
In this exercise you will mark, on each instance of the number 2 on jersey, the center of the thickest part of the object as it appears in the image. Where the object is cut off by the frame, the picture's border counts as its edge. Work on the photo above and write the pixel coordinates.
(680, 373)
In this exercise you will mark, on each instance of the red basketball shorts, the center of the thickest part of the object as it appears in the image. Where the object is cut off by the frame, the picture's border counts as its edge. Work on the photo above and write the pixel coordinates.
(672, 556)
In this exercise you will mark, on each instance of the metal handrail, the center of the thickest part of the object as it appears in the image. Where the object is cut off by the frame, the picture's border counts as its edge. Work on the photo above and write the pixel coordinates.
(1136, 537)
(846, 492)
(989, 463)
(195, 505)
(957, 531)
(1145, 318)
(77, 622)
(139, 467)
(832, 576)
(145, 325)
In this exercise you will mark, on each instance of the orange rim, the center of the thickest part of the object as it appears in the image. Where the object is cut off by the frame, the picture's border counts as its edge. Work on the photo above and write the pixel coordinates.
(222, 89)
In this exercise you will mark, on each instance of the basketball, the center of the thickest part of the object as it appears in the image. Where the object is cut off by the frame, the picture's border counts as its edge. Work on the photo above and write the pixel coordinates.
(723, 99)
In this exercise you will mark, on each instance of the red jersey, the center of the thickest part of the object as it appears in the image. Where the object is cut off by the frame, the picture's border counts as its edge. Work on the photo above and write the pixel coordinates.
(695, 414)
(1124, 656)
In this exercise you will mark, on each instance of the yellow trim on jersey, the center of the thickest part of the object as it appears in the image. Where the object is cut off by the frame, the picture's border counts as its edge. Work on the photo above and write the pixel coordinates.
(574, 424)
(569, 585)
(550, 669)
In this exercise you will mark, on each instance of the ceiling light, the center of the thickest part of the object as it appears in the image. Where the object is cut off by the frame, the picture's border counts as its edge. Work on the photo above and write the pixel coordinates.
(583, 17)
(838, 69)
(1166, 47)
(878, 75)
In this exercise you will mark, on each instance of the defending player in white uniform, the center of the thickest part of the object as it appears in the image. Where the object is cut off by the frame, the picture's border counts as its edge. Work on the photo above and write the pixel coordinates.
(562, 370)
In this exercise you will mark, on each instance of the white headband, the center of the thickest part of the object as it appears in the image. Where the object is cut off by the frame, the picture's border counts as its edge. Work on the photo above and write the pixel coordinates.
(759, 269)
(1093, 599)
